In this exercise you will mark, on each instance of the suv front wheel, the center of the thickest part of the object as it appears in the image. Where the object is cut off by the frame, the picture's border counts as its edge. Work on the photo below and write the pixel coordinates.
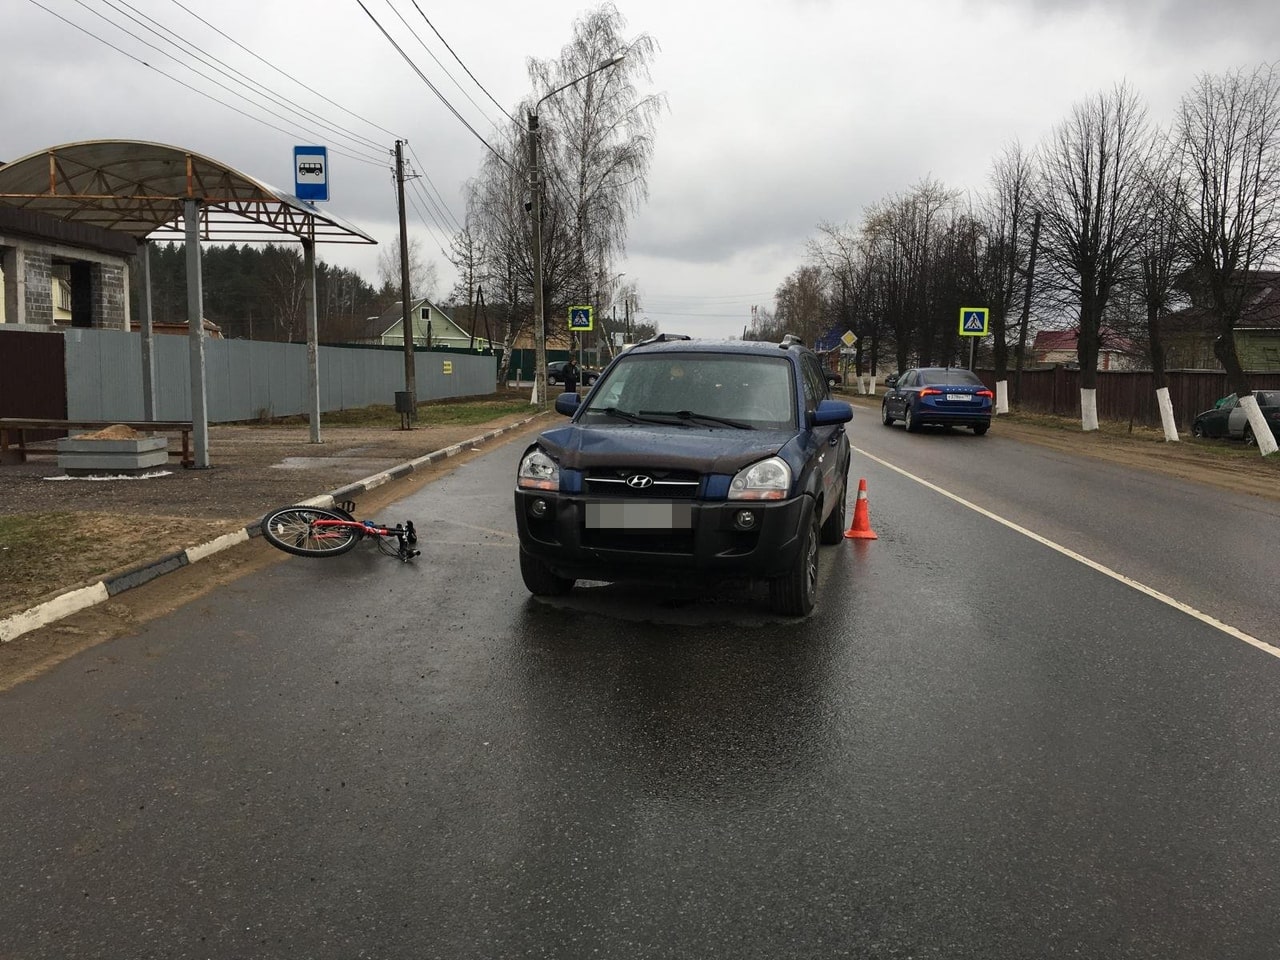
(793, 594)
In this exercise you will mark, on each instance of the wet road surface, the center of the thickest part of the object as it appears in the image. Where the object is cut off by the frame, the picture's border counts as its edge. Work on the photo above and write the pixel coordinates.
(976, 747)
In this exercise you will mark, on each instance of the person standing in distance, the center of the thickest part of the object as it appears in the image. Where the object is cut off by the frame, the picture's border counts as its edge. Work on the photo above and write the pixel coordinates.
(571, 376)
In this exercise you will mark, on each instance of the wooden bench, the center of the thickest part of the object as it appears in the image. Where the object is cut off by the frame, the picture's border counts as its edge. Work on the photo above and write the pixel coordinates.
(13, 430)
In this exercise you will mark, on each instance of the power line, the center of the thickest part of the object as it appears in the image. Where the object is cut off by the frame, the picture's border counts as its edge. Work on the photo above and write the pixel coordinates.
(187, 48)
(198, 73)
(413, 33)
(284, 73)
(460, 63)
(432, 86)
(183, 83)
(423, 173)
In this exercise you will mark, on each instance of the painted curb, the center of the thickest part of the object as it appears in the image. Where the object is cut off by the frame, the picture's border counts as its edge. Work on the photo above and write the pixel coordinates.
(73, 601)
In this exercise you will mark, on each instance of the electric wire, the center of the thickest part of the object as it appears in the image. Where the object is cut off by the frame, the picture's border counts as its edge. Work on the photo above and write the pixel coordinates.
(413, 33)
(422, 172)
(188, 48)
(422, 76)
(197, 72)
(183, 83)
(460, 63)
(433, 208)
(286, 74)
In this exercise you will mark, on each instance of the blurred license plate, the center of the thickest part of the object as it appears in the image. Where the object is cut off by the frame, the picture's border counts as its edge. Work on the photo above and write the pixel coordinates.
(639, 516)
(959, 396)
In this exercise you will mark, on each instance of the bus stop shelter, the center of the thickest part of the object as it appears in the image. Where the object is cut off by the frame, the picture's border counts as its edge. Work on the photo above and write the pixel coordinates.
(153, 191)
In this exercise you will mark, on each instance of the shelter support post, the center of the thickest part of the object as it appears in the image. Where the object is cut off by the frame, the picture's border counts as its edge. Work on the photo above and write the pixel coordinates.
(195, 326)
(148, 345)
(313, 335)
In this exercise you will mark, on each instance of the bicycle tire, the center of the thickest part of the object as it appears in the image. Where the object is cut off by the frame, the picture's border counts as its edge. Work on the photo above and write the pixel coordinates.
(289, 529)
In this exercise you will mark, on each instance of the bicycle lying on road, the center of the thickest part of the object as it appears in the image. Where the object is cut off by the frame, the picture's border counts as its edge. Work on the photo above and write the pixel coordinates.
(317, 532)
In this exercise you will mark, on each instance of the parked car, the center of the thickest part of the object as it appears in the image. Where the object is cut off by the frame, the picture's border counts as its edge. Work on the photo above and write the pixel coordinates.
(555, 373)
(1227, 418)
(691, 460)
(949, 396)
(891, 380)
(833, 379)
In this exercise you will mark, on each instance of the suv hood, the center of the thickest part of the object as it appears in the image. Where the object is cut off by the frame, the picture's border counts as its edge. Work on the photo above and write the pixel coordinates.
(638, 445)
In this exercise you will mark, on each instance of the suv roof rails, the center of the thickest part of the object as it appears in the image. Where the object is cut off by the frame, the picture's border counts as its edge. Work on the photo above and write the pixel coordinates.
(663, 338)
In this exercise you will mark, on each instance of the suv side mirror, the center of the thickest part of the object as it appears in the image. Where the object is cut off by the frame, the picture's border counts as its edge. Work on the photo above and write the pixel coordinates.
(831, 412)
(567, 404)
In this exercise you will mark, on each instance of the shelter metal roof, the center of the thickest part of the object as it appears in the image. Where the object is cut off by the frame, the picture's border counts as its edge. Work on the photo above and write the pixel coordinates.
(138, 188)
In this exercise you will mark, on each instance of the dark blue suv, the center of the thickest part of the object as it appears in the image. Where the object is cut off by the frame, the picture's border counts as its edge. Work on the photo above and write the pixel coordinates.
(690, 460)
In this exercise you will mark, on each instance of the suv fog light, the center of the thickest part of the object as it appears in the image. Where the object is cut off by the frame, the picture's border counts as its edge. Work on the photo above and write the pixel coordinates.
(744, 520)
(538, 508)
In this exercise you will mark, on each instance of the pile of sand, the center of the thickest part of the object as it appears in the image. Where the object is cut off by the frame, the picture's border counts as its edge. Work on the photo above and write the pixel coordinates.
(117, 431)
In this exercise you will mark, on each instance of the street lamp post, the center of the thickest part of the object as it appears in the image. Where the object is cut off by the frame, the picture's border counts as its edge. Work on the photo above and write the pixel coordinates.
(535, 187)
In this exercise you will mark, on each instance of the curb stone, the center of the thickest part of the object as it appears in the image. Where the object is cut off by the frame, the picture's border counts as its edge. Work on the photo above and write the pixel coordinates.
(73, 601)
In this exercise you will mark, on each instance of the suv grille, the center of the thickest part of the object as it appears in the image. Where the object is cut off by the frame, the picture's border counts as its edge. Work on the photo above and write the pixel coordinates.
(639, 482)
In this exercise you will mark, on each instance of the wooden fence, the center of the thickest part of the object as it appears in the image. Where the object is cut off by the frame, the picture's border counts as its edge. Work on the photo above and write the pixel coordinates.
(1124, 395)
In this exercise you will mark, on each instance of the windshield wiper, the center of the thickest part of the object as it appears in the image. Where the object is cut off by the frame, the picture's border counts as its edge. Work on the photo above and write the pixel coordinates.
(629, 417)
(685, 416)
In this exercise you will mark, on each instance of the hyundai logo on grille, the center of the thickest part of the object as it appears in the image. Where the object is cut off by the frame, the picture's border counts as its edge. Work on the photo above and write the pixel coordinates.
(639, 481)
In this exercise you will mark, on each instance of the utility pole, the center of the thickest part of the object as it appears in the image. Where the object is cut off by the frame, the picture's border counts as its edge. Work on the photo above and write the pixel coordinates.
(406, 326)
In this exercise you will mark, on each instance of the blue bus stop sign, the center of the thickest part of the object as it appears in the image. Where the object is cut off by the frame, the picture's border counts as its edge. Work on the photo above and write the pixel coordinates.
(311, 173)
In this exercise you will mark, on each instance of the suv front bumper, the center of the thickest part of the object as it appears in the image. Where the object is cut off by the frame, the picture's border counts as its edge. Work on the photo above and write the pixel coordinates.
(716, 543)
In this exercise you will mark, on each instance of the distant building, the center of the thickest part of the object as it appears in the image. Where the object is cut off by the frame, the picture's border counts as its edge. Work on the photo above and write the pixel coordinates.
(430, 325)
(1062, 347)
(1188, 335)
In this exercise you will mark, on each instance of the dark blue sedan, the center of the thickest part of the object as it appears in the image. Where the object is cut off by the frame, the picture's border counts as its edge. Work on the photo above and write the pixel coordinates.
(947, 396)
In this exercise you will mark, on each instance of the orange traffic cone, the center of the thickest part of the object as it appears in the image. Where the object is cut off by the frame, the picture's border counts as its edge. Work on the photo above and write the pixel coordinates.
(860, 529)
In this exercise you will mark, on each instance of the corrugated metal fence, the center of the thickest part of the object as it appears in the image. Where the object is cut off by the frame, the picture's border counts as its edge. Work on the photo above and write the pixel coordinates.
(247, 379)
(1125, 394)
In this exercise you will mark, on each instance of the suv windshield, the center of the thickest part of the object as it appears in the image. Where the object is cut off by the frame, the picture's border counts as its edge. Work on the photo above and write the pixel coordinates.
(697, 389)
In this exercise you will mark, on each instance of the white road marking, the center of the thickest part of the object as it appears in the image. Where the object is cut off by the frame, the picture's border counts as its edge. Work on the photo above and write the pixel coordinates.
(1080, 558)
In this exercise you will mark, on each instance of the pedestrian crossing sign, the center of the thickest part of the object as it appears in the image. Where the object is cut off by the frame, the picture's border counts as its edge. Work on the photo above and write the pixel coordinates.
(582, 318)
(973, 321)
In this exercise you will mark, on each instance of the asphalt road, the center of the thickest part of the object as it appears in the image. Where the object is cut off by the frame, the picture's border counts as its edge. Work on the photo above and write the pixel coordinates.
(976, 747)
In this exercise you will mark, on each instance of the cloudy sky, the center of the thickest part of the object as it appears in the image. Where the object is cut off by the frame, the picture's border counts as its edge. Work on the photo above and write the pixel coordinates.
(781, 113)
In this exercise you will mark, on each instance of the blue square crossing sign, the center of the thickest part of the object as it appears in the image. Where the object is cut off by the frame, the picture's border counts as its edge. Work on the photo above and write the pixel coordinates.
(973, 321)
(582, 318)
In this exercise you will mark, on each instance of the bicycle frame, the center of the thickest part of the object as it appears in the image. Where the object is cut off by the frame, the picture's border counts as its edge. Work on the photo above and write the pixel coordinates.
(403, 533)
(317, 532)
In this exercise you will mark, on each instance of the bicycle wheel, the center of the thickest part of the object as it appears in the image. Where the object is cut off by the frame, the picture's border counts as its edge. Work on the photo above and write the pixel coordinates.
(290, 529)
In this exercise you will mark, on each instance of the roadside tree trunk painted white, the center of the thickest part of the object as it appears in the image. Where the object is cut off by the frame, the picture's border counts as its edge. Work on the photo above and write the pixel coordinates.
(1088, 409)
(1166, 415)
(868, 385)
(1258, 424)
(1002, 396)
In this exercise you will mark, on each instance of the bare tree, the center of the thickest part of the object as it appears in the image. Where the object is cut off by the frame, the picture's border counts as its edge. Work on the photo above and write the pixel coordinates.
(802, 304)
(423, 276)
(1228, 136)
(286, 291)
(1093, 213)
(597, 139)
(1159, 260)
(1007, 215)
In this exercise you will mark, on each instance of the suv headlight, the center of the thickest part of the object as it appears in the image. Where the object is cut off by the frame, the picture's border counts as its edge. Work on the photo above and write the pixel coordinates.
(538, 472)
(767, 480)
